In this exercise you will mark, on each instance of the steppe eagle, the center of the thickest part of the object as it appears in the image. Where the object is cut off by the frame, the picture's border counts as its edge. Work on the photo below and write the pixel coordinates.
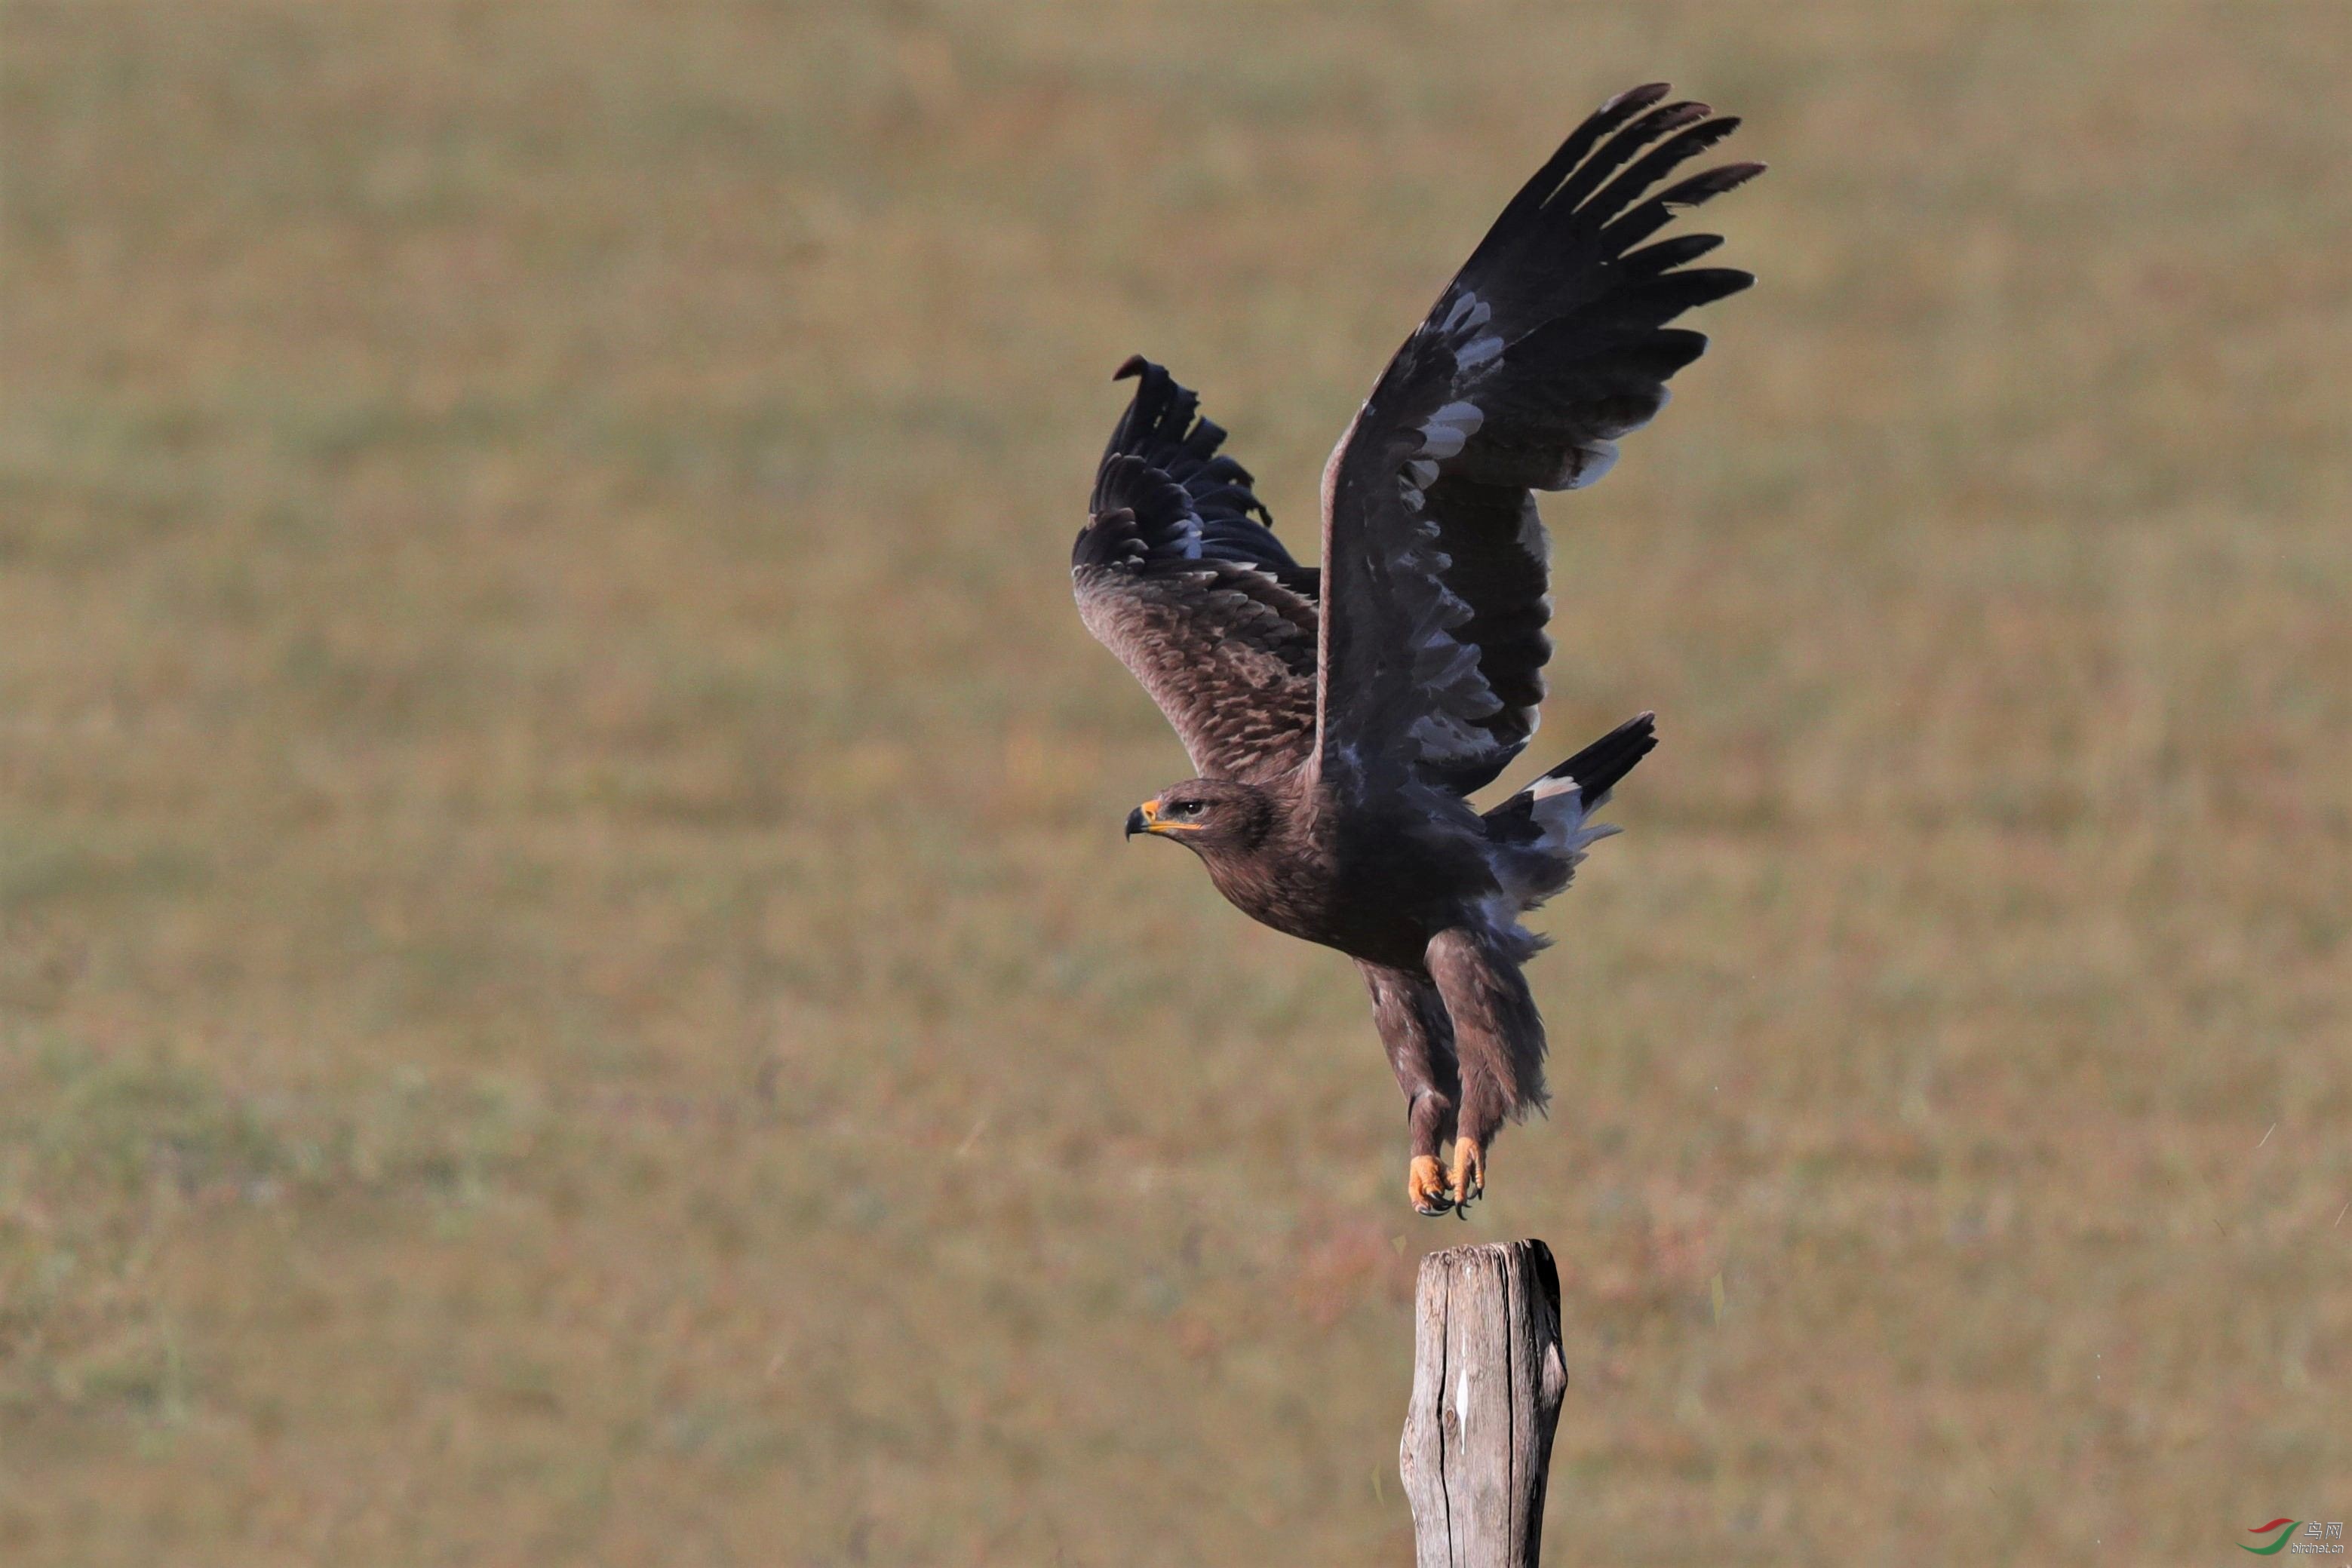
(1340, 718)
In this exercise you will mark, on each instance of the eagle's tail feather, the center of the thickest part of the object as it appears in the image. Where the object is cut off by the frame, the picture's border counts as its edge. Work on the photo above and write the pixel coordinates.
(1596, 769)
(1541, 833)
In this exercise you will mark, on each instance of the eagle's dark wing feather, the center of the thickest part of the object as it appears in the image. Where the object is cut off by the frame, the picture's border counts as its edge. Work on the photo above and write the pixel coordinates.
(1178, 573)
(1550, 344)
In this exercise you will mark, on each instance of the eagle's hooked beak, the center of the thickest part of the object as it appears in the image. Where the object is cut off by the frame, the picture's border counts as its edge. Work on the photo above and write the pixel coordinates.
(1146, 818)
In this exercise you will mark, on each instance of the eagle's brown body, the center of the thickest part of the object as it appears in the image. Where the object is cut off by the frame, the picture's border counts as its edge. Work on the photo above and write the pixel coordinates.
(1341, 718)
(1360, 882)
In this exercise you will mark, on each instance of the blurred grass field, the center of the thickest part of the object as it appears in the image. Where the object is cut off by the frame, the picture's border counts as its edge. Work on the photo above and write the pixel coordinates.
(569, 992)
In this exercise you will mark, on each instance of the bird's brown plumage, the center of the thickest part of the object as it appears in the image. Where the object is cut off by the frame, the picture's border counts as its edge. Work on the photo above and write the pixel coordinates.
(1340, 718)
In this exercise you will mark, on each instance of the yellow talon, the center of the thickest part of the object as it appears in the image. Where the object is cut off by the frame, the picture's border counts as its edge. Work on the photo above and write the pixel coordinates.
(1469, 1179)
(1425, 1188)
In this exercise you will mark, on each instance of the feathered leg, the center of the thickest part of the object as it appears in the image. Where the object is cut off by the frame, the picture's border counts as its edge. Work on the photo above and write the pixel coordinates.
(1499, 1036)
(1414, 1028)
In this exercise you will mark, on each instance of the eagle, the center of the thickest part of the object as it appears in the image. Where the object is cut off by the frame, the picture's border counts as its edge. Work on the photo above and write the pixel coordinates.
(1339, 720)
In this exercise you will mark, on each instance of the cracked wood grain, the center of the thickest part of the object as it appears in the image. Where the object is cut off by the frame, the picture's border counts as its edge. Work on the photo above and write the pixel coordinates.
(1487, 1381)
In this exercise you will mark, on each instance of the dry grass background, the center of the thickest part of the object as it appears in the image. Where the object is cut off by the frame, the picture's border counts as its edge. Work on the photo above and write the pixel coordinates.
(568, 987)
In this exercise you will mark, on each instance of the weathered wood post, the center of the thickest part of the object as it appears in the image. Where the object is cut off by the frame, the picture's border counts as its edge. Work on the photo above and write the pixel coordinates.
(1487, 1380)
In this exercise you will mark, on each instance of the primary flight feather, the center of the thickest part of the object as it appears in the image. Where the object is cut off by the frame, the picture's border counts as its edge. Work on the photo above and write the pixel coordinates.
(1340, 718)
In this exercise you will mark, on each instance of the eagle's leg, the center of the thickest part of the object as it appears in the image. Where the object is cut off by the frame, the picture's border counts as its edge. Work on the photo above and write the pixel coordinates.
(1499, 1036)
(1414, 1028)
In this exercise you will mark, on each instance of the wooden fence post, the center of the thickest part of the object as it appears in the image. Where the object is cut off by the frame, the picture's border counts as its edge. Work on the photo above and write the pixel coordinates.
(1487, 1379)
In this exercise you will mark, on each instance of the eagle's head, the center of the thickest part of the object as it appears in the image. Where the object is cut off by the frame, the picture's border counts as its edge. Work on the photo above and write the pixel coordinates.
(1206, 815)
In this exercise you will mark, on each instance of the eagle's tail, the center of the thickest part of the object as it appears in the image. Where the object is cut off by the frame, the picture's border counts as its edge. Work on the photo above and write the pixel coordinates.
(1541, 833)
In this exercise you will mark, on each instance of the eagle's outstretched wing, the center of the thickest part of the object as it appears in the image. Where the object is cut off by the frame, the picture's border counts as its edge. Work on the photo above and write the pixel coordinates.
(1178, 573)
(1549, 345)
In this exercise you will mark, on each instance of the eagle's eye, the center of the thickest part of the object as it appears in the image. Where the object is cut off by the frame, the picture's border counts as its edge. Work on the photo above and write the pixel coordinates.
(1187, 808)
